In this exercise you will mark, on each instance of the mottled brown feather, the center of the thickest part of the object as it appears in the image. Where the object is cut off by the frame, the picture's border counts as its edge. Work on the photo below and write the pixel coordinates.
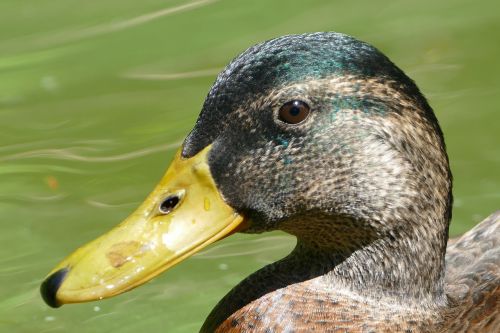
(363, 183)
(472, 287)
(301, 294)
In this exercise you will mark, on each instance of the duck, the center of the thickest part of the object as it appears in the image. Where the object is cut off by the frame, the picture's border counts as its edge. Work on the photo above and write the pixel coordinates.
(321, 136)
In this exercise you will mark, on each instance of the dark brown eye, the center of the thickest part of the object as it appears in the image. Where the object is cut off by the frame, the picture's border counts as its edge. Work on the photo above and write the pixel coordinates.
(294, 112)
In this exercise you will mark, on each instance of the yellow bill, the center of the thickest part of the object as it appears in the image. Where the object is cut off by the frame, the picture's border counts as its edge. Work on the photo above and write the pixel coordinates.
(183, 214)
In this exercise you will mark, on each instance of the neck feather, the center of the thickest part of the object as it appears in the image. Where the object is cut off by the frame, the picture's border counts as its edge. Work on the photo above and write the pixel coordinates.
(405, 263)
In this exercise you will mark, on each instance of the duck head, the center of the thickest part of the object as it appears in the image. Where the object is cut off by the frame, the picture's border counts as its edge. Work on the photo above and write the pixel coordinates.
(319, 135)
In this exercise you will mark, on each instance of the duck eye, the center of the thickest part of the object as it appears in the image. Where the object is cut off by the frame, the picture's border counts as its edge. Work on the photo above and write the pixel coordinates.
(294, 112)
(169, 204)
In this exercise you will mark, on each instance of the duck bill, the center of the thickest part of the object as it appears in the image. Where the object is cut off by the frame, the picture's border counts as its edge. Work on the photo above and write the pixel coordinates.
(183, 214)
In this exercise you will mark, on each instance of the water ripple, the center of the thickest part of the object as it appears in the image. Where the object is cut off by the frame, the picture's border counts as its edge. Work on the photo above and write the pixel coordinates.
(16, 146)
(69, 154)
(100, 204)
(16, 169)
(171, 76)
(97, 30)
(32, 198)
(234, 249)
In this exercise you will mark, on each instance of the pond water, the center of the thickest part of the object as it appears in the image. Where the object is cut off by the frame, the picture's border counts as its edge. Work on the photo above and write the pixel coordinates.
(95, 97)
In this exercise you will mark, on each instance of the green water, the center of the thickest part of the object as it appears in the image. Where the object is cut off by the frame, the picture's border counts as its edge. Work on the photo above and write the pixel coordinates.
(95, 99)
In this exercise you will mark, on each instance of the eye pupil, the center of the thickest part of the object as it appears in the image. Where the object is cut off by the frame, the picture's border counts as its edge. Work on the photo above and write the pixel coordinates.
(294, 112)
(169, 204)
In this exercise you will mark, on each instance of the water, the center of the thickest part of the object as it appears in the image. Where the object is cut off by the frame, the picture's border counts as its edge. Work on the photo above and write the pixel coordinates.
(95, 97)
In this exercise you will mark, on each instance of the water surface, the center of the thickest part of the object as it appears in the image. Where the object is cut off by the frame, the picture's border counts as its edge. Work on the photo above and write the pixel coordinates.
(95, 97)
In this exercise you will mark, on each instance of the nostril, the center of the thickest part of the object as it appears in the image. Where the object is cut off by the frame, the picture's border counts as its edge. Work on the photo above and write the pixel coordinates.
(169, 204)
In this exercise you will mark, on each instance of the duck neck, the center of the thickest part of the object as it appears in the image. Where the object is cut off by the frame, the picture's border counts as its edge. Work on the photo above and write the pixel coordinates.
(404, 264)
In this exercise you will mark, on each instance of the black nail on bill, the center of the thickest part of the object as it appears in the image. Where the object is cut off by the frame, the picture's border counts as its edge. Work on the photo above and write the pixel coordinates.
(49, 287)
